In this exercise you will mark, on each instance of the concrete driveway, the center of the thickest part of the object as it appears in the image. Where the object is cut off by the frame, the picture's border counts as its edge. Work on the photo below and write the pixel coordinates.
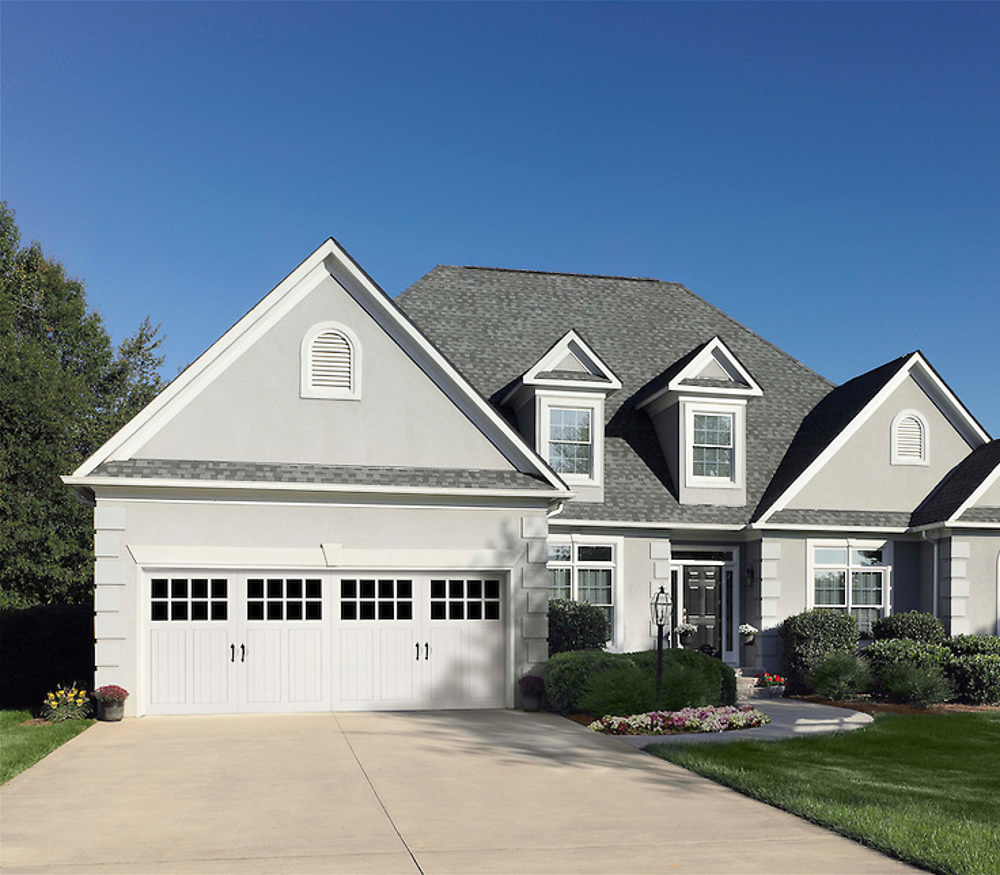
(481, 791)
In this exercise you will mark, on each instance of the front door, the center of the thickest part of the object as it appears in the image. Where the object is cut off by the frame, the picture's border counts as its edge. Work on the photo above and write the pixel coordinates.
(702, 603)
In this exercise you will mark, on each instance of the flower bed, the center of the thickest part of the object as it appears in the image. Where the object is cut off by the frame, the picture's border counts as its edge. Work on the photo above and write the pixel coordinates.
(707, 719)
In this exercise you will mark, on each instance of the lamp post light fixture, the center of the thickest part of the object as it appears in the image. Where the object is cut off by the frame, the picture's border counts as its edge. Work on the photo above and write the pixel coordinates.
(658, 607)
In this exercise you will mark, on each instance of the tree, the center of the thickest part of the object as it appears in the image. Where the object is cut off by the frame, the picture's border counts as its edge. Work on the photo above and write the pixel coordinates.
(64, 390)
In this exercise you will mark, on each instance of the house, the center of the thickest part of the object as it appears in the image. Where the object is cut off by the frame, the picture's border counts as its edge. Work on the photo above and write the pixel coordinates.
(354, 503)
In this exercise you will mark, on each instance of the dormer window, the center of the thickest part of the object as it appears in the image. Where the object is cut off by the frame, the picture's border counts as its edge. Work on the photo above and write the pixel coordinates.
(712, 445)
(908, 435)
(571, 441)
(330, 363)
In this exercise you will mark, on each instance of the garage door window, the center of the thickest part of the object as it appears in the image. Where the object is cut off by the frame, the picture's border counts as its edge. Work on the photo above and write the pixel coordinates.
(276, 598)
(383, 599)
(465, 599)
(185, 598)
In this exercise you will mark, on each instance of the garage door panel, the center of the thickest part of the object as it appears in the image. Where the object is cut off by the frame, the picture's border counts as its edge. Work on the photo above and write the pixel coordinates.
(398, 655)
(307, 679)
(356, 665)
(169, 665)
(211, 659)
(263, 666)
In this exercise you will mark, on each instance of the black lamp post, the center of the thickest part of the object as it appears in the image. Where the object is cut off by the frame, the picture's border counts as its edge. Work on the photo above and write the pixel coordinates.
(658, 608)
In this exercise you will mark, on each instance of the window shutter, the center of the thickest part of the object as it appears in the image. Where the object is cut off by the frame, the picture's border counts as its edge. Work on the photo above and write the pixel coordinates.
(910, 438)
(332, 361)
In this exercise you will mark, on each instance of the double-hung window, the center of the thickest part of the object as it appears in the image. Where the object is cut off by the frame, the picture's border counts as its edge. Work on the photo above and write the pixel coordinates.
(584, 573)
(712, 445)
(852, 579)
(571, 443)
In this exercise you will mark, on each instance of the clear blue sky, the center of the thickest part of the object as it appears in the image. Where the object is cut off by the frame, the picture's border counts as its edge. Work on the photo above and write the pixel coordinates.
(829, 174)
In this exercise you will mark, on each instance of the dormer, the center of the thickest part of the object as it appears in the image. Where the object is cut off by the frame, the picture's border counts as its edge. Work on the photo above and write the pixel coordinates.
(559, 406)
(698, 408)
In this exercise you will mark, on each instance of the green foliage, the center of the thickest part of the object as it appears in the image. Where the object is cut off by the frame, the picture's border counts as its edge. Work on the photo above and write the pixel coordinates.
(976, 677)
(43, 646)
(576, 626)
(66, 703)
(689, 678)
(902, 651)
(911, 684)
(917, 787)
(809, 638)
(910, 624)
(841, 676)
(21, 746)
(566, 674)
(964, 644)
(65, 390)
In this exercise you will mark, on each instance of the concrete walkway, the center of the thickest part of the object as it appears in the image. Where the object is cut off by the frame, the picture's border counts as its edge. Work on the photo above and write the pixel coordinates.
(478, 791)
(789, 717)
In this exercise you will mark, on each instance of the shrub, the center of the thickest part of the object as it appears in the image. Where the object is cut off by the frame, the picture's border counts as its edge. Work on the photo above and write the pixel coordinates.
(910, 624)
(902, 651)
(811, 637)
(976, 677)
(566, 674)
(622, 689)
(841, 676)
(911, 684)
(689, 678)
(961, 645)
(576, 626)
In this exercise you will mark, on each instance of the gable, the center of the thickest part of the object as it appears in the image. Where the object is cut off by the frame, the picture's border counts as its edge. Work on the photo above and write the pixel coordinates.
(253, 411)
(861, 474)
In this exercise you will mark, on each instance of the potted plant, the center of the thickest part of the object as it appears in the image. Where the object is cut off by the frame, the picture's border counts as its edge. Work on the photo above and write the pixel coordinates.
(110, 702)
(684, 632)
(532, 688)
(769, 686)
(749, 633)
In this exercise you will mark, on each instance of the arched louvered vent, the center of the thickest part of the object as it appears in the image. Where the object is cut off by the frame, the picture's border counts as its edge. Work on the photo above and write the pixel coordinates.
(909, 440)
(331, 363)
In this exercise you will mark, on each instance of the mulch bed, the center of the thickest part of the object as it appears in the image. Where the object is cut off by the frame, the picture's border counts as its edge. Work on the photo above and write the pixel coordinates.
(36, 721)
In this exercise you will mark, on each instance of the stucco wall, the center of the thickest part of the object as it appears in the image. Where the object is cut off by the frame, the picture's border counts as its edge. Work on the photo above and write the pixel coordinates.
(982, 575)
(860, 476)
(990, 498)
(252, 411)
(910, 584)
(239, 534)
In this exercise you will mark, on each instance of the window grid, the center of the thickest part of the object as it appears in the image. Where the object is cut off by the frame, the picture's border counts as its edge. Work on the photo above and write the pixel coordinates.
(376, 599)
(465, 599)
(865, 598)
(583, 573)
(570, 441)
(712, 444)
(183, 598)
(279, 598)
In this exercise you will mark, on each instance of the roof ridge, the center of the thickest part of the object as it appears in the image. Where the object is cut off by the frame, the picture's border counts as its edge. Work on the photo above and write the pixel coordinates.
(598, 276)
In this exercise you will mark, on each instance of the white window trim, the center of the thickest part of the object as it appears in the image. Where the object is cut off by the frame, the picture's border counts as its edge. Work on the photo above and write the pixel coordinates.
(678, 562)
(737, 412)
(617, 574)
(546, 401)
(895, 457)
(849, 544)
(306, 387)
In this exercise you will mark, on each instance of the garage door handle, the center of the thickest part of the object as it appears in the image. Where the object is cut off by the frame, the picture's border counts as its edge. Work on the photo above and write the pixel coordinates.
(418, 651)
(243, 653)
(232, 657)
(427, 651)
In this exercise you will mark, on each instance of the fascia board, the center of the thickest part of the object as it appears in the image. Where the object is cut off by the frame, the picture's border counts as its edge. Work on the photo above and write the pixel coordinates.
(439, 369)
(560, 522)
(947, 402)
(837, 443)
(563, 346)
(800, 527)
(199, 373)
(148, 483)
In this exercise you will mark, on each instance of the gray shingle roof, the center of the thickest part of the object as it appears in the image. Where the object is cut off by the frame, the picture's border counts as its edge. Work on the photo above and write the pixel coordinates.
(843, 518)
(494, 324)
(957, 486)
(444, 478)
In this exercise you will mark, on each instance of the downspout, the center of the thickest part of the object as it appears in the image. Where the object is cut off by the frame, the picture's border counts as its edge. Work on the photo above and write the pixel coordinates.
(935, 583)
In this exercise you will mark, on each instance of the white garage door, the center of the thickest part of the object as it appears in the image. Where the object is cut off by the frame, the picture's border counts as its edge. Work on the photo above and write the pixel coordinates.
(245, 642)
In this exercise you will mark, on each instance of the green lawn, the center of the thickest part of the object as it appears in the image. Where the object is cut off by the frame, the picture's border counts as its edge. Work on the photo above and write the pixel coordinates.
(23, 746)
(923, 788)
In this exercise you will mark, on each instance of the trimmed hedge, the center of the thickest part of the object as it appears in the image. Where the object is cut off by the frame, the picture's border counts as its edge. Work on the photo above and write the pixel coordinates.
(976, 678)
(809, 638)
(841, 676)
(901, 651)
(961, 645)
(912, 625)
(576, 626)
(600, 683)
(43, 647)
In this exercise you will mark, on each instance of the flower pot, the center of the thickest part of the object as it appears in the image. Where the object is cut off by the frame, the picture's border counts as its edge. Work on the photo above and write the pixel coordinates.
(768, 692)
(531, 702)
(748, 640)
(110, 712)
